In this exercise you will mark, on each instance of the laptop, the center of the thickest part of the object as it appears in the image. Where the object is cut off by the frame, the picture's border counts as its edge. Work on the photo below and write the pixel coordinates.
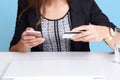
(53, 70)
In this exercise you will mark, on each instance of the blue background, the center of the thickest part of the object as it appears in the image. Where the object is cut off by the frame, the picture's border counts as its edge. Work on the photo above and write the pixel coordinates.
(8, 10)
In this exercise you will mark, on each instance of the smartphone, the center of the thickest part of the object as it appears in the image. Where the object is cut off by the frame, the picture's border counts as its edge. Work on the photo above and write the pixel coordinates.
(33, 33)
(70, 34)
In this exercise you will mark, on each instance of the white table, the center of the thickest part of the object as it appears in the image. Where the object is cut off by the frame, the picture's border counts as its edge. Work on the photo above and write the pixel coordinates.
(59, 64)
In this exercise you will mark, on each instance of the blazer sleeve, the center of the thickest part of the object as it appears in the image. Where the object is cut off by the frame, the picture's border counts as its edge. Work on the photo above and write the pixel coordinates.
(21, 23)
(97, 17)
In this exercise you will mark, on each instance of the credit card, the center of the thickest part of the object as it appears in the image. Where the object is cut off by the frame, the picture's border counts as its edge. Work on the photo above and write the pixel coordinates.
(70, 34)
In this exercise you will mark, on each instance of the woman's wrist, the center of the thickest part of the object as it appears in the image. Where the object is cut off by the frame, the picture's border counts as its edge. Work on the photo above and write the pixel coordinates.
(110, 35)
(109, 40)
(20, 47)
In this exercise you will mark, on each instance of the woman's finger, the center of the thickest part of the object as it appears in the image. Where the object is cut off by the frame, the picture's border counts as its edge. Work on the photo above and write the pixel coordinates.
(38, 42)
(85, 38)
(28, 37)
(83, 34)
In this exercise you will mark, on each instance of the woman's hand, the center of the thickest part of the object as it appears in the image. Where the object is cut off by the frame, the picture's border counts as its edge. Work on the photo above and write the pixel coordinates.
(31, 41)
(93, 33)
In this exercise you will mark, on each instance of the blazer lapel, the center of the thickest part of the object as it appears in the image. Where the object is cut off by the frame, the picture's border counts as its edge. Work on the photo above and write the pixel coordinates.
(78, 16)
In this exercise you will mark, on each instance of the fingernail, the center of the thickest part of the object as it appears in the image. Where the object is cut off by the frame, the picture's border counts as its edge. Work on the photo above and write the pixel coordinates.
(72, 38)
(29, 28)
(73, 30)
(33, 37)
(43, 40)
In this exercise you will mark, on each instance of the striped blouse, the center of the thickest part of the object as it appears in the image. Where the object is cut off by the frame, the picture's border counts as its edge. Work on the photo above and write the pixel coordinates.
(52, 31)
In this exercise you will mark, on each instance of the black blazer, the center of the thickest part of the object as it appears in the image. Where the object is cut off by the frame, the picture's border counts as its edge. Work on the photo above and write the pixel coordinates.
(83, 12)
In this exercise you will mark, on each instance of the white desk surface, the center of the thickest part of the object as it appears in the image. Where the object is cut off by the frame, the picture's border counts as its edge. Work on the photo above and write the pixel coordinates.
(59, 64)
